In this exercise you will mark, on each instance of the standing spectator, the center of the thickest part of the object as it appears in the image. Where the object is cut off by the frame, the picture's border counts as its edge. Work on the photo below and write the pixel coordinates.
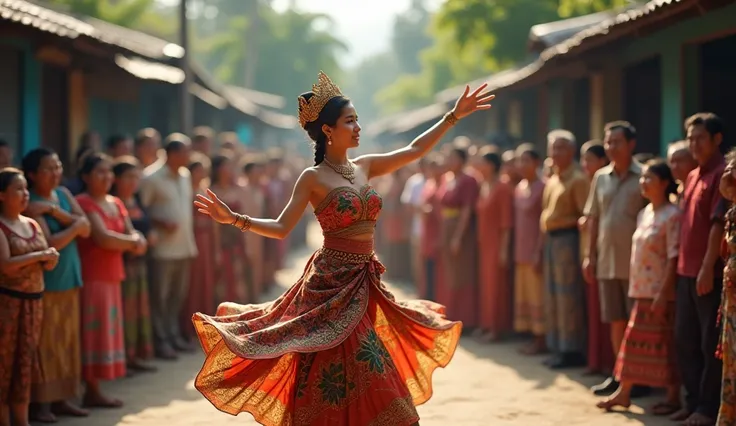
(431, 221)
(700, 272)
(146, 147)
(681, 163)
(103, 343)
(24, 254)
(234, 268)
(727, 349)
(611, 210)
(88, 142)
(493, 215)
(6, 154)
(62, 220)
(166, 194)
(458, 195)
(600, 355)
(411, 198)
(119, 145)
(136, 306)
(647, 354)
(562, 206)
(254, 206)
(202, 137)
(528, 247)
(201, 296)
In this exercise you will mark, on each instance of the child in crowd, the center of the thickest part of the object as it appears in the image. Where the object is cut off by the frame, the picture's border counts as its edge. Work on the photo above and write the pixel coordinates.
(647, 355)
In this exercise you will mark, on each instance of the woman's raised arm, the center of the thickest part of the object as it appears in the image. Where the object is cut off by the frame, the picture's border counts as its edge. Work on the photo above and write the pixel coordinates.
(278, 228)
(381, 164)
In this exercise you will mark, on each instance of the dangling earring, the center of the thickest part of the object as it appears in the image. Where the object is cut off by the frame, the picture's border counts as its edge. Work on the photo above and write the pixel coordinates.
(329, 140)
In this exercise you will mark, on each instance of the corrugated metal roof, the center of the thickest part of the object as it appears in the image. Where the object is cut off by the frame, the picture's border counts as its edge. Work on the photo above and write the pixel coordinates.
(603, 28)
(551, 33)
(65, 24)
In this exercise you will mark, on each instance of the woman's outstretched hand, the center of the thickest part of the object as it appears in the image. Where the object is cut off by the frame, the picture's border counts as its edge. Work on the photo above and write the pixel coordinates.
(469, 103)
(215, 208)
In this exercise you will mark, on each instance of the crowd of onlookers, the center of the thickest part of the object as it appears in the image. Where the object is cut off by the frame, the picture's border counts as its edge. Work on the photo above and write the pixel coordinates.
(615, 262)
(101, 271)
(612, 262)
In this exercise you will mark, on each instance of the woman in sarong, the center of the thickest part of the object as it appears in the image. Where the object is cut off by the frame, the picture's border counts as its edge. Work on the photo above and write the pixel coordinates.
(201, 297)
(136, 306)
(336, 348)
(233, 263)
(112, 234)
(727, 314)
(24, 254)
(459, 245)
(57, 383)
(430, 232)
(493, 212)
(600, 354)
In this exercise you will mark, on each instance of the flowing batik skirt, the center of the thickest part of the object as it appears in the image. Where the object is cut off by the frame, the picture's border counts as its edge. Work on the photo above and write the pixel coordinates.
(137, 310)
(60, 369)
(20, 331)
(647, 355)
(335, 349)
(727, 411)
(103, 342)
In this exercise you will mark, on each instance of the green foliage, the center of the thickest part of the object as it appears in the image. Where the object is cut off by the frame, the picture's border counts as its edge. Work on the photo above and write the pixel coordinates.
(290, 51)
(143, 15)
(473, 38)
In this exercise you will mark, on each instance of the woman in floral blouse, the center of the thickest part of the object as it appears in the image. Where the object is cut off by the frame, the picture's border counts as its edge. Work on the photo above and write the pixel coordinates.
(647, 354)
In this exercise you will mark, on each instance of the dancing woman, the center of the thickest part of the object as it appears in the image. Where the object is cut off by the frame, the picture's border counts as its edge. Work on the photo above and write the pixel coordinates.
(336, 348)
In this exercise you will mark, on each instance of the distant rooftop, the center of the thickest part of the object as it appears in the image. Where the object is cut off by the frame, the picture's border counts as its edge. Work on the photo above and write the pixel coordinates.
(542, 36)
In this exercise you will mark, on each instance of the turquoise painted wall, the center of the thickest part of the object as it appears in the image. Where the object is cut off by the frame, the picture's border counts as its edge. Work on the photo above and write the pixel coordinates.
(30, 102)
(671, 44)
(555, 102)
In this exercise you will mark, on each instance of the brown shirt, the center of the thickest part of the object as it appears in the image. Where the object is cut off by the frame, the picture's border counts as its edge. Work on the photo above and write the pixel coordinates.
(615, 201)
(28, 279)
(563, 200)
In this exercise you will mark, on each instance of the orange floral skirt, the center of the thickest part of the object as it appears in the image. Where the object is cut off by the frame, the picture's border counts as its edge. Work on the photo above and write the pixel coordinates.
(335, 349)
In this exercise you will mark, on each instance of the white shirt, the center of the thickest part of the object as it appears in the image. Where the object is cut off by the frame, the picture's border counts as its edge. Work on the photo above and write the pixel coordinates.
(412, 195)
(168, 197)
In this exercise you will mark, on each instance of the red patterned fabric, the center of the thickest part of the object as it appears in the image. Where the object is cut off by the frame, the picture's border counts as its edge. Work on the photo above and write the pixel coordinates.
(336, 348)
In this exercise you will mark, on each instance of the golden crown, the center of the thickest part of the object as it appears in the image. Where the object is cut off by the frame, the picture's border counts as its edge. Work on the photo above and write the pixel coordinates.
(323, 91)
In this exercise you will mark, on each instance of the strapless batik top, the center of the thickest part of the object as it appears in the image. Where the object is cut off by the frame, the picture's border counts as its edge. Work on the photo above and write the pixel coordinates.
(347, 211)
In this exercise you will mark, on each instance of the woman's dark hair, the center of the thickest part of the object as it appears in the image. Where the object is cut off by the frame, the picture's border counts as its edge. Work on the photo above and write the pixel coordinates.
(594, 147)
(88, 163)
(644, 157)
(218, 161)
(329, 116)
(528, 149)
(124, 164)
(659, 168)
(32, 161)
(494, 159)
(120, 166)
(461, 153)
(197, 159)
(7, 176)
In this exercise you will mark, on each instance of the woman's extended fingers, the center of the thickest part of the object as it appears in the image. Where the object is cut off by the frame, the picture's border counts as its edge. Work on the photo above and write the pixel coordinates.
(213, 196)
(201, 205)
(201, 198)
(486, 97)
(204, 211)
(478, 90)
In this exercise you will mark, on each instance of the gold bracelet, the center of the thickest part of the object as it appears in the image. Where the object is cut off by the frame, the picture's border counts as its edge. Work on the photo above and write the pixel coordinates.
(247, 222)
(235, 221)
(451, 118)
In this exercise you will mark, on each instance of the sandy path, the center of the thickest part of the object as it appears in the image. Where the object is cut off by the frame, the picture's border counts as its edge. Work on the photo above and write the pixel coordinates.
(484, 385)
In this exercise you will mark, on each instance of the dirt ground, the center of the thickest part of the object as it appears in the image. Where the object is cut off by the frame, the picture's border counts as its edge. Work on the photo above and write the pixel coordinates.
(484, 385)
